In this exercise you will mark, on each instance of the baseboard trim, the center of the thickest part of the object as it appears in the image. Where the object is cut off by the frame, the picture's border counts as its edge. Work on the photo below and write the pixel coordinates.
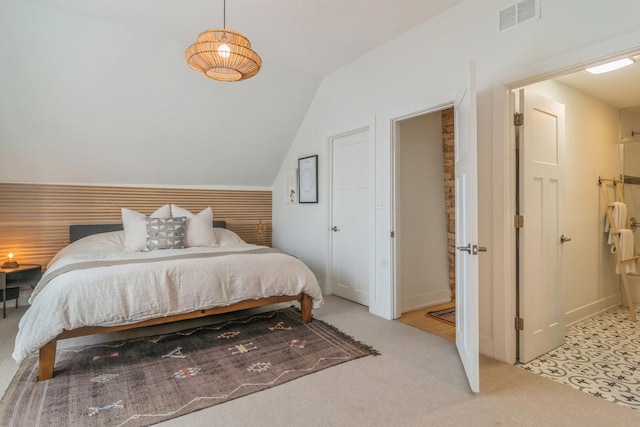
(416, 302)
(589, 310)
(486, 346)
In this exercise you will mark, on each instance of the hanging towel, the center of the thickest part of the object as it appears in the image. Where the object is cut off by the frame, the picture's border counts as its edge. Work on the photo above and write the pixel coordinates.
(627, 250)
(619, 213)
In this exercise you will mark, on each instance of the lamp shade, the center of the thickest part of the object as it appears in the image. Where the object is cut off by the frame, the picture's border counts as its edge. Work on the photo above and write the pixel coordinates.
(223, 54)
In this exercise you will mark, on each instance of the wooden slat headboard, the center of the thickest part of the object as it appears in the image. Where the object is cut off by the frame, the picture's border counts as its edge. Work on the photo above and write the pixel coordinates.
(35, 218)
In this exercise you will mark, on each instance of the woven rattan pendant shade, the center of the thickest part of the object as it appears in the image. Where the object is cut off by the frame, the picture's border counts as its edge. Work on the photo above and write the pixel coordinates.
(222, 54)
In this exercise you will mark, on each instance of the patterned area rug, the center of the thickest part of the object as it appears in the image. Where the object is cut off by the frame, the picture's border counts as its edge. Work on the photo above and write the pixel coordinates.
(601, 356)
(144, 381)
(447, 315)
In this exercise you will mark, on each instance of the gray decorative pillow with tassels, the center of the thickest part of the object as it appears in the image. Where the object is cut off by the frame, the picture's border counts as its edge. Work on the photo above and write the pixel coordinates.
(165, 233)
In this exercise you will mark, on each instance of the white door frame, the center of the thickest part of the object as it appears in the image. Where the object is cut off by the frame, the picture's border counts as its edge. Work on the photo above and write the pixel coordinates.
(504, 177)
(395, 242)
(329, 286)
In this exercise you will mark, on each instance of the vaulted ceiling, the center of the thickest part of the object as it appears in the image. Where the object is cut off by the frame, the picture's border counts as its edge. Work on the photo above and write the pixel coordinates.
(99, 91)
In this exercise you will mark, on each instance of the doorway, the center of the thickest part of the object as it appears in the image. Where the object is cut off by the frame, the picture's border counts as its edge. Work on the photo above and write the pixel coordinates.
(587, 282)
(424, 219)
(466, 225)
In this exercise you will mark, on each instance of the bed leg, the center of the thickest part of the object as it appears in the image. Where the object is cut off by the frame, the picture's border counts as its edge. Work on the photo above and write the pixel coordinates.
(305, 308)
(47, 360)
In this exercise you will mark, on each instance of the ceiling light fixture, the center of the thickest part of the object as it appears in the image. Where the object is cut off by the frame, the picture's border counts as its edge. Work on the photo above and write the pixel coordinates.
(223, 54)
(610, 66)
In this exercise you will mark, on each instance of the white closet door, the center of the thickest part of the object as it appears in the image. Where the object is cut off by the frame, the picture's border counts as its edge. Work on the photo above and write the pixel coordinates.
(350, 217)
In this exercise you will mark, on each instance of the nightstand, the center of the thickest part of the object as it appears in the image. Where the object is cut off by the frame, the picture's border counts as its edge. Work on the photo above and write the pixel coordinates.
(12, 278)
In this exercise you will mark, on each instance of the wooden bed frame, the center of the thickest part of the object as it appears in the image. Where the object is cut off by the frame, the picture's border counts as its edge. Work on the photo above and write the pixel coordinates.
(47, 354)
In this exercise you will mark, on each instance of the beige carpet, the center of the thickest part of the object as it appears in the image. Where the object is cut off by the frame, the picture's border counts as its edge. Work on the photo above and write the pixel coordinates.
(417, 381)
(143, 381)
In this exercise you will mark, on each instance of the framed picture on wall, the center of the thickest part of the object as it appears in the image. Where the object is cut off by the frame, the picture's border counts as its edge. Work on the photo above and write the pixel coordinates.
(308, 179)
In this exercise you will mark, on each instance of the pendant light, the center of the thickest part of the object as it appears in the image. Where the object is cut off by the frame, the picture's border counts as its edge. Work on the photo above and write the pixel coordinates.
(223, 54)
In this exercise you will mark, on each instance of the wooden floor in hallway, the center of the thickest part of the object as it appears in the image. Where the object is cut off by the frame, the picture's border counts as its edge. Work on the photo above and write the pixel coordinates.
(419, 319)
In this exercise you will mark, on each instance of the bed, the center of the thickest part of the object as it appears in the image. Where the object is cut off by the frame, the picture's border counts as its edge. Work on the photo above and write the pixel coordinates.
(94, 286)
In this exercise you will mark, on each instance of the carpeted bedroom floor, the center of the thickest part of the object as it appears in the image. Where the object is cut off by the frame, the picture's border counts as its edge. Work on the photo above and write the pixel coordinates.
(418, 380)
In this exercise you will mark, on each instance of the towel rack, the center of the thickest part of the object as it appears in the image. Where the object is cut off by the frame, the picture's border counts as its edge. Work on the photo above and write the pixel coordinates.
(617, 184)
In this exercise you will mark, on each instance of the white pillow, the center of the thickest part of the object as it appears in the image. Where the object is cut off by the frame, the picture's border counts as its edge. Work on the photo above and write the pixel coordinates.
(198, 228)
(135, 227)
(226, 237)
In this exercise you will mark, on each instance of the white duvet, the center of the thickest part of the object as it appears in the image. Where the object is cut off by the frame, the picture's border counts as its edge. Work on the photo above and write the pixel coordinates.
(140, 289)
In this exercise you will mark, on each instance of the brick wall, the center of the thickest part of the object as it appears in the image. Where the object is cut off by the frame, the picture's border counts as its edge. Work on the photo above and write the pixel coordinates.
(450, 193)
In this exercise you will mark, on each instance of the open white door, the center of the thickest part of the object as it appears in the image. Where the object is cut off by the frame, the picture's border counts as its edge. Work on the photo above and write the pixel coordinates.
(541, 193)
(466, 160)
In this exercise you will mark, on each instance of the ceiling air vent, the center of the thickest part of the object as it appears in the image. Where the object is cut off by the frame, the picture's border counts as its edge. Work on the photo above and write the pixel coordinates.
(517, 14)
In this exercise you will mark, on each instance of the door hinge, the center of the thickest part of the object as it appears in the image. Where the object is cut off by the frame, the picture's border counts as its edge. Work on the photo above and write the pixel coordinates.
(393, 234)
(518, 221)
(519, 324)
(518, 119)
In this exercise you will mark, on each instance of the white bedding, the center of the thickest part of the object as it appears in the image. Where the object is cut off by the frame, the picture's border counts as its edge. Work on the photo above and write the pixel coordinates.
(132, 292)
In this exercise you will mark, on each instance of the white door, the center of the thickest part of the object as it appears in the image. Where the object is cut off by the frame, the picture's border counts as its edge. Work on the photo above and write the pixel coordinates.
(350, 217)
(466, 159)
(541, 140)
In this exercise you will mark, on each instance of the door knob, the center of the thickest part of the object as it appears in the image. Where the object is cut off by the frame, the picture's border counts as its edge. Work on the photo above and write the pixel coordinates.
(564, 239)
(472, 250)
(335, 228)
(465, 248)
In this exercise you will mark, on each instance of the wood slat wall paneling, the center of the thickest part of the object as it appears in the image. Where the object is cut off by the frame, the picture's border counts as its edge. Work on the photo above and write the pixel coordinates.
(35, 218)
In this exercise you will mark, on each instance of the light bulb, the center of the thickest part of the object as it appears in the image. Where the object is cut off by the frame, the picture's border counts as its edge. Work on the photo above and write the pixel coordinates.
(10, 255)
(224, 50)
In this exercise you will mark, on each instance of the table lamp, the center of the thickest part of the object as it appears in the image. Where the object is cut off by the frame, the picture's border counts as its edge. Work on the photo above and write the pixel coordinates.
(11, 263)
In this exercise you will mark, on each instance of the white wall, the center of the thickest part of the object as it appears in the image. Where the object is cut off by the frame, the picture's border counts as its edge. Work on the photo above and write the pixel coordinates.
(421, 225)
(85, 100)
(592, 150)
(425, 68)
